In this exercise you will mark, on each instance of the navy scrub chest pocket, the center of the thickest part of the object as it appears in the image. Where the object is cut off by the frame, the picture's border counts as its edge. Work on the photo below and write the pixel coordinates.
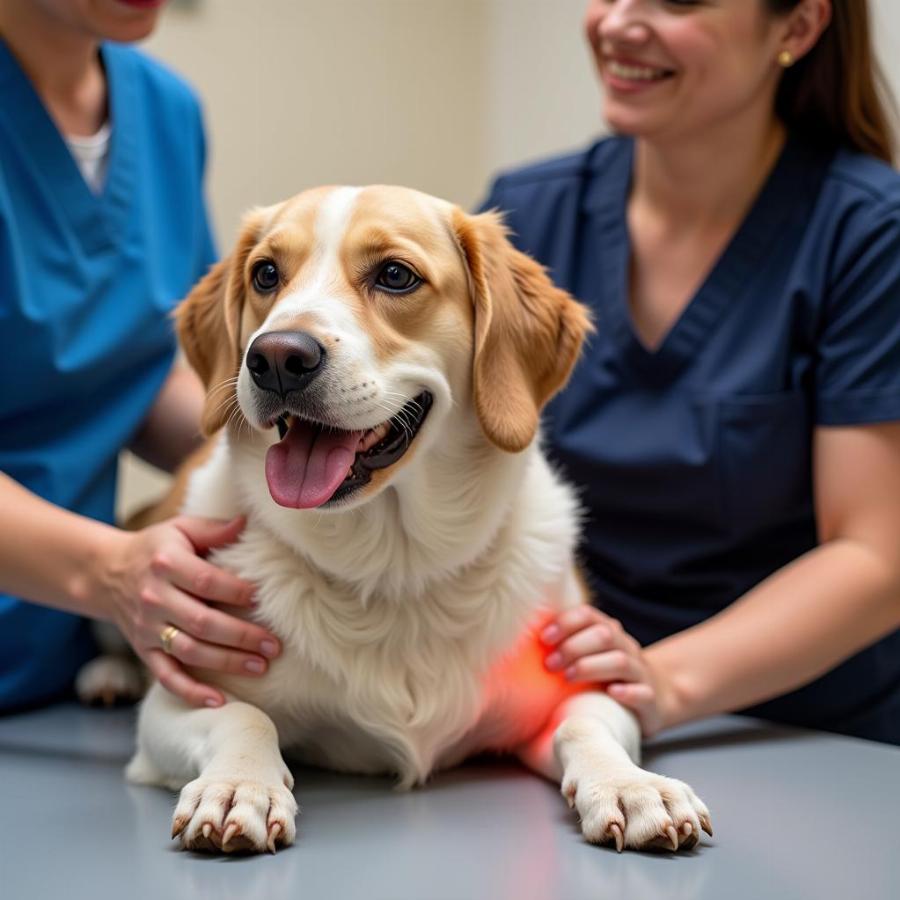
(764, 459)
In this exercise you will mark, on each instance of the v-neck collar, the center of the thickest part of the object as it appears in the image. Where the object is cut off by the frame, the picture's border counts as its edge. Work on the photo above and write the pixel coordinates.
(743, 259)
(96, 220)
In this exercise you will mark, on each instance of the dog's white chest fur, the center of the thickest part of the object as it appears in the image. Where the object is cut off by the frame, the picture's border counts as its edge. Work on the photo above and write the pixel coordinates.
(407, 668)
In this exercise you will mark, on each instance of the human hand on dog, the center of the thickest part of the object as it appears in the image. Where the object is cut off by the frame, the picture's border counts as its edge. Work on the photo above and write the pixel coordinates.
(589, 646)
(159, 590)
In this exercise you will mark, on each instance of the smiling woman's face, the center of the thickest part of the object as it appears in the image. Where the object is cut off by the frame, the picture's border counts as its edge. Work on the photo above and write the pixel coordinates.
(670, 67)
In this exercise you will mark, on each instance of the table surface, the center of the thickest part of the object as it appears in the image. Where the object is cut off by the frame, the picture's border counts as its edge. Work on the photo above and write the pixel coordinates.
(796, 814)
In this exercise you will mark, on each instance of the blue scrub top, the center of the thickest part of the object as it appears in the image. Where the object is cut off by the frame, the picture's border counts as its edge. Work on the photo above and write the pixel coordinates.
(86, 286)
(694, 460)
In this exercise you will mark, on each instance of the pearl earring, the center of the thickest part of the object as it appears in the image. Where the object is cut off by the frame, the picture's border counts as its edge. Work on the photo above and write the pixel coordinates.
(785, 59)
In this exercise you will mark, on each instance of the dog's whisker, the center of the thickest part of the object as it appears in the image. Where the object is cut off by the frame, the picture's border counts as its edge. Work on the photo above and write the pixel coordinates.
(236, 418)
(406, 421)
(225, 403)
(232, 419)
(226, 392)
(227, 384)
(390, 412)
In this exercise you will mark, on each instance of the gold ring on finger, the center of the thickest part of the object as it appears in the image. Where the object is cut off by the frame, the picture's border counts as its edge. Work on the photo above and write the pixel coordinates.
(166, 636)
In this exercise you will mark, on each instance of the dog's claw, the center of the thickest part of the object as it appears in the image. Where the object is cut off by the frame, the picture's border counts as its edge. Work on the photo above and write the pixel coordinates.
(673, 837)
(230, 832)
(618, 836)
(706, 824)
(687, 829)
(274, 831)
(178, 826)
(207, 829)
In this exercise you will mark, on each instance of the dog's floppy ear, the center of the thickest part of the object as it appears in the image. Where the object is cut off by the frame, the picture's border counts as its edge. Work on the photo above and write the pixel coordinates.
(208, 322)
(528, 332)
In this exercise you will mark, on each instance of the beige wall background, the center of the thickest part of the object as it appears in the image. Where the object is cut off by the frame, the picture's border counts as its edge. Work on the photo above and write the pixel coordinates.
(434, 94)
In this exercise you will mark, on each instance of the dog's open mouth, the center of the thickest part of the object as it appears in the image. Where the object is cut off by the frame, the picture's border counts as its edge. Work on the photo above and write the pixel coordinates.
(314, 464)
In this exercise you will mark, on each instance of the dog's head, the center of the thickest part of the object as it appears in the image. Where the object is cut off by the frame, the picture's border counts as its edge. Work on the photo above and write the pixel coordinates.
(348, 323)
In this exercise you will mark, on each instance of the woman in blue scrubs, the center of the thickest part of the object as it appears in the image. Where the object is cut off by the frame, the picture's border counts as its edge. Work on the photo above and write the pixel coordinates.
(102, 229)
(735, 421)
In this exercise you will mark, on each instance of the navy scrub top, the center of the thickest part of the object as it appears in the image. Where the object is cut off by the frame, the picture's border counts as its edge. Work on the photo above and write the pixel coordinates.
(694, 460)
(86, 286)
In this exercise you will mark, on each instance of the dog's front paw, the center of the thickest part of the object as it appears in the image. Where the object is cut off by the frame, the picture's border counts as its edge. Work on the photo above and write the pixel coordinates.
(235, 815)
(635, 809)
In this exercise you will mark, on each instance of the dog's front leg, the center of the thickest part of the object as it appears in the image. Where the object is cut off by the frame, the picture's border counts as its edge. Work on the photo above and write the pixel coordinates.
(592, 747)
(240, 796)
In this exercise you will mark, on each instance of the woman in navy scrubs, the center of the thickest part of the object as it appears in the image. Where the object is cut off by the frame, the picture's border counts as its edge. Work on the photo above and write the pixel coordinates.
(102, 229)
(735, 421)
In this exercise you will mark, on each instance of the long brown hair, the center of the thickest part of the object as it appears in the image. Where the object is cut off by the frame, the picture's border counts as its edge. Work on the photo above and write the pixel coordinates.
(837, 94)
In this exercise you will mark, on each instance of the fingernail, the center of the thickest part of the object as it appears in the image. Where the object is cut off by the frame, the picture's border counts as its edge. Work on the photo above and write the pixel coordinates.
(255, 665)
(550, 634)
(553, 661)
(570, 673)
(212, 702)
(269, 648)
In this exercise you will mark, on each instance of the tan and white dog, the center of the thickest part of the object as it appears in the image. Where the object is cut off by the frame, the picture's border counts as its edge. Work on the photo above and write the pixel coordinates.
(376, 362)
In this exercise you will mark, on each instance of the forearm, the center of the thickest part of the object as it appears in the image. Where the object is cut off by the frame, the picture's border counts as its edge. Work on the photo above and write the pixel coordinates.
(171, 430)
(49, 555)
(789, 630)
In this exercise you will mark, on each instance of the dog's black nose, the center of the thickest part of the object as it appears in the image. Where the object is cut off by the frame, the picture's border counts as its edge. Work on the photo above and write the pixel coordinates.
(283, 361)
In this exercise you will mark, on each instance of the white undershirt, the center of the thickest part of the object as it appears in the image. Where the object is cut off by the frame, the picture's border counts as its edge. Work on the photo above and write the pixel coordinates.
(92, 155)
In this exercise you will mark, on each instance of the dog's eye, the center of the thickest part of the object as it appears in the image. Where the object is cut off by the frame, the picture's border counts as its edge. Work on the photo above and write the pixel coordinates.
(265, 276)
(397, 278)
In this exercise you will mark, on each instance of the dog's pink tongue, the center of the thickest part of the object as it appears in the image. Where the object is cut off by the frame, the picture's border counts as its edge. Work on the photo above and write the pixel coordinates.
(308, 464)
